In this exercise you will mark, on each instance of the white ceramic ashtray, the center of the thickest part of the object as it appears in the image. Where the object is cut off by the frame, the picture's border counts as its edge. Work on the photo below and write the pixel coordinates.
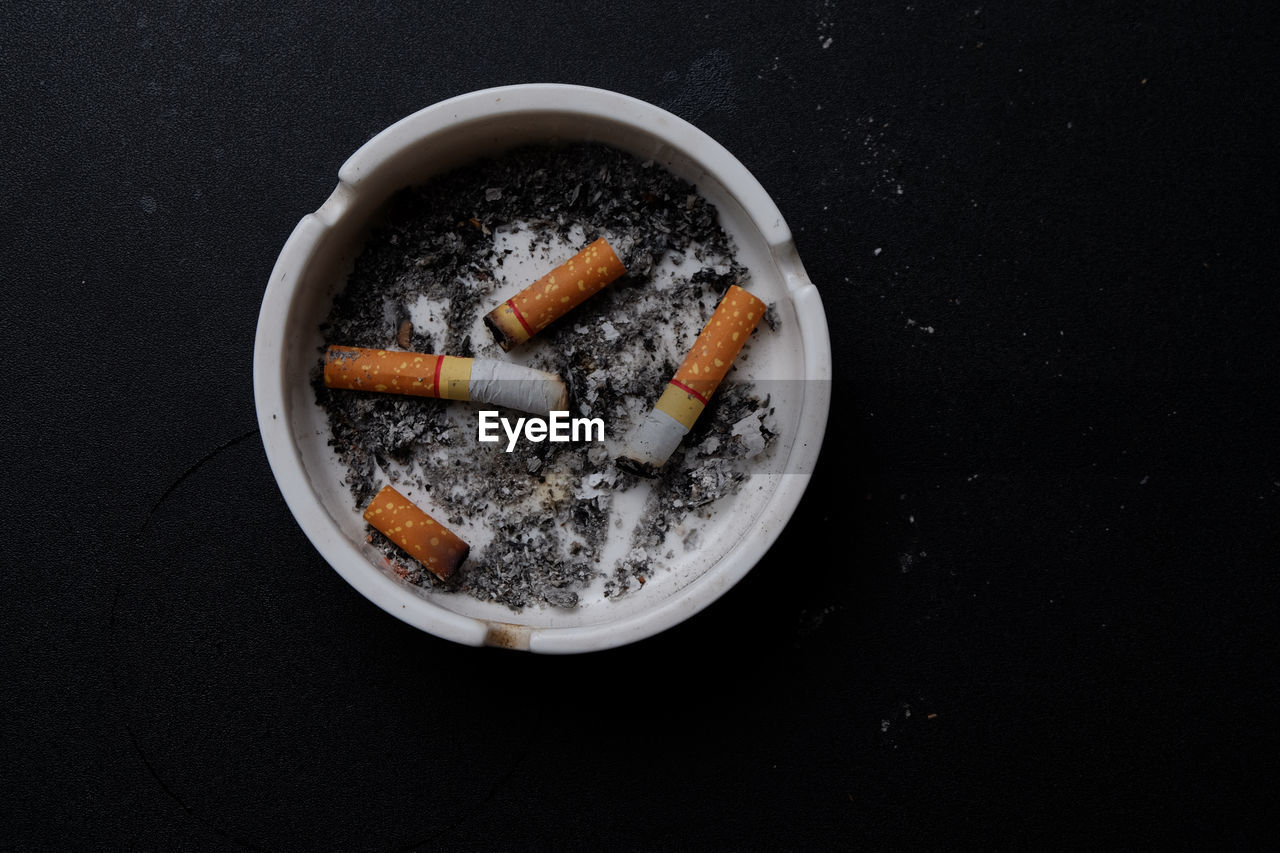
(688, 553)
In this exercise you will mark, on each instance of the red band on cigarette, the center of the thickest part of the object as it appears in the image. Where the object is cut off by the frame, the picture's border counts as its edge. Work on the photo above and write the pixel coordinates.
(520, 317)
(701, 399)
(435, 379)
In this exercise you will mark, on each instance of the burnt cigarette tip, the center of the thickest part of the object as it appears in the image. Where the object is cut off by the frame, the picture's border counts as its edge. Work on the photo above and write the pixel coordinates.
(500, 337)
(635, 466)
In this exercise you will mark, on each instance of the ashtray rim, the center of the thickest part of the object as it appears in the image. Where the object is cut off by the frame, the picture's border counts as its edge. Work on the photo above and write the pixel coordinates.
(401, 139)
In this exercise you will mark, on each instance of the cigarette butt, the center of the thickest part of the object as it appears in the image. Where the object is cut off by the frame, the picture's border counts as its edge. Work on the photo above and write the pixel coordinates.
(714, 351)
(447, 377)
(554, 295)
(428, 541)
(686, 395)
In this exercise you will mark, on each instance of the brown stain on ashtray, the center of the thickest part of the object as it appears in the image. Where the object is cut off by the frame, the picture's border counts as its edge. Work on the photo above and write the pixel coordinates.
(504, 635)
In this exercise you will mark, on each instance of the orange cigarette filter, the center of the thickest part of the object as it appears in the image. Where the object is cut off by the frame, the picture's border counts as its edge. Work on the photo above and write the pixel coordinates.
(419, 374)
(554, 295)
(712, 355)
(426, 540)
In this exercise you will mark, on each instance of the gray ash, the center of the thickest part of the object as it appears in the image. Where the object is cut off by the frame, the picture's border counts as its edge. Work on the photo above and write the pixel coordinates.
(706, 467)
(443, 248)
(525, 566)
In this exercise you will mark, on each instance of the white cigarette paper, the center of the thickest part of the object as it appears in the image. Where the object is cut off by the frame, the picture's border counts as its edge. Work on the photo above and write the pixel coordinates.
(515, 387)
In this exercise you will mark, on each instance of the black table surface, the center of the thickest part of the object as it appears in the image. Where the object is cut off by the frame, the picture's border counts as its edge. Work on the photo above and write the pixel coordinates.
(1022, 602)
